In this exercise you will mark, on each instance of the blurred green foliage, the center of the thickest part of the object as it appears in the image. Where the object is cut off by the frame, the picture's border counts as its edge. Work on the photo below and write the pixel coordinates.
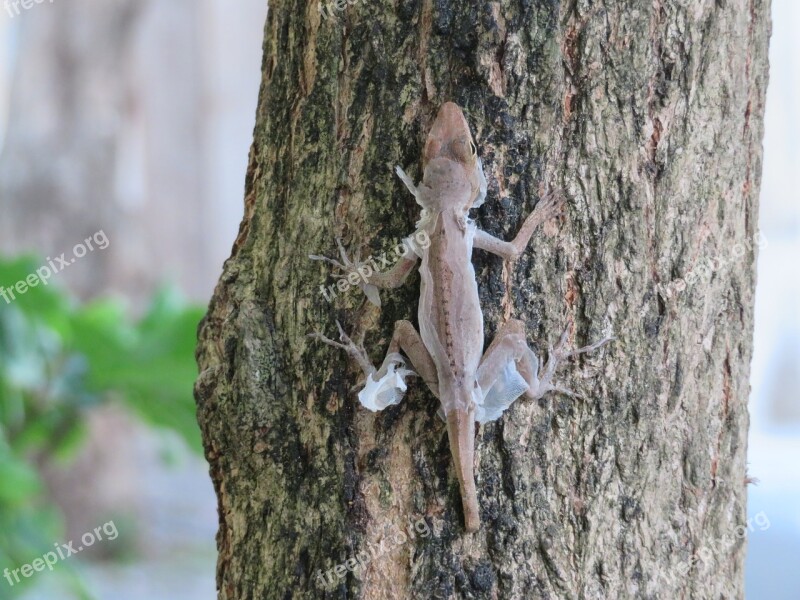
(57, 360)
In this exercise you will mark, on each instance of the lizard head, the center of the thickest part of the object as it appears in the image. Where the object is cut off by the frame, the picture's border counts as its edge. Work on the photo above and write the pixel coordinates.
(452, 169)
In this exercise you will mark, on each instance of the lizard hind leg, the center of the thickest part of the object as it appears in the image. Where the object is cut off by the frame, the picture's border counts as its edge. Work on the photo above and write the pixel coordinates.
(509, 368)
(406, 339)
(543, 379)
(386, 386)
(383, 387)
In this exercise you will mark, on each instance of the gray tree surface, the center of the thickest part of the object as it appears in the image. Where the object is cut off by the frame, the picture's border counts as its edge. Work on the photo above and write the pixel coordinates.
(648, 116)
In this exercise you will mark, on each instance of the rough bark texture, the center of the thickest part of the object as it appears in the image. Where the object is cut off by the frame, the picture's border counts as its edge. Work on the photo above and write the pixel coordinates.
(648, 115)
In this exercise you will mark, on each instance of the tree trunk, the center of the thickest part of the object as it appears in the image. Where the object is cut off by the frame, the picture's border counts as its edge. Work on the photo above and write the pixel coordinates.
(648, 116)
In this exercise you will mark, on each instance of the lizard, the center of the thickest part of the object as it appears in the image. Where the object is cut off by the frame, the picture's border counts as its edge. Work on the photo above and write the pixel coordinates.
(471, 385)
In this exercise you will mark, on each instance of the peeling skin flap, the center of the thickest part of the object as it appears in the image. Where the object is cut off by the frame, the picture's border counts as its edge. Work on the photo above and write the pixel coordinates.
(371, 292)
(506, 388)
(388, 389)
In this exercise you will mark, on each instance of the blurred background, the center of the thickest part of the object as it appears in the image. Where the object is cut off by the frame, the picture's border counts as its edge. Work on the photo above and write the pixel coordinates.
(125, 127)
(128, 121)
(773, 555)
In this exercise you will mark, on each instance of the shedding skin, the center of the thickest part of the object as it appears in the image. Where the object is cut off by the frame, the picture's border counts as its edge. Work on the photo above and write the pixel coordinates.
(447, 351)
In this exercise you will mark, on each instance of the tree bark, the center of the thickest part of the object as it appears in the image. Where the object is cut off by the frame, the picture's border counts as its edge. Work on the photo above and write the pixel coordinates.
(648, 116)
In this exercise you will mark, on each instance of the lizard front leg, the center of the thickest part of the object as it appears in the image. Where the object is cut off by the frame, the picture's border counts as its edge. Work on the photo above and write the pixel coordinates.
(547, 208)
(368, 278)
(386, 386)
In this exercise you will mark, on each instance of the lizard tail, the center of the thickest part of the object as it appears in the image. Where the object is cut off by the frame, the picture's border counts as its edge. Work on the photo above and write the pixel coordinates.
(461, 433)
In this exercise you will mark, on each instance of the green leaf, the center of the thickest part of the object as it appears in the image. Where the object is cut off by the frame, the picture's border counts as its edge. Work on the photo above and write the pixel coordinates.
(18, 481)
(57, 359)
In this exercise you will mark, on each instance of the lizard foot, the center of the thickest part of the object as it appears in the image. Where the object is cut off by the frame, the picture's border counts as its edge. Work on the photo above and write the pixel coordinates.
(384, 386)
(357, 352)
(347, 267)
(555, 356)
(551, 205)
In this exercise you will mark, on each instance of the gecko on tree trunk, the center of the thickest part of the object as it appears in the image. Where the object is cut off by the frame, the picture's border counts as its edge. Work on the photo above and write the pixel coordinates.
(447, 351)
